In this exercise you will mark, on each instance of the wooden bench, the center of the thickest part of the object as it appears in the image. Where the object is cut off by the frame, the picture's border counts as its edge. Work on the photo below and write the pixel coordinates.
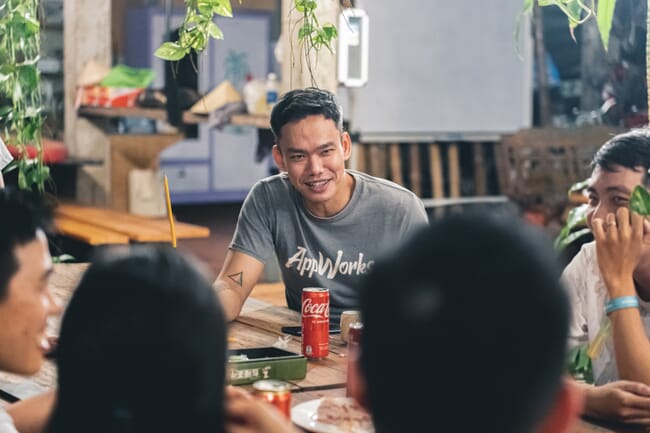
(98, 226)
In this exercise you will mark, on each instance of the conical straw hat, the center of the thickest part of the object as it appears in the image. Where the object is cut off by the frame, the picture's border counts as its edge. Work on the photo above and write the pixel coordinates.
(221, 95)
(92, 73)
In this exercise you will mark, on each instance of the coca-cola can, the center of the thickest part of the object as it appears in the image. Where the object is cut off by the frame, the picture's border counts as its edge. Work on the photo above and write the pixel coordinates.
(315, 322)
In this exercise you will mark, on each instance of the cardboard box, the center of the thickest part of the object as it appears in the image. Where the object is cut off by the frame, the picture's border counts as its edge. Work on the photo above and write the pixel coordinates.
(250, 365)
(98, 96)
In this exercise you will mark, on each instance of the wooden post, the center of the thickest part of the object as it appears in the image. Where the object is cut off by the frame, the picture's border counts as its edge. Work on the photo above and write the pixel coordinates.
(358, 158)
(377, 153)
(396, 164)
(87, 36)
(416, 170)
(129, 151)
(480, 180)
(454, 170)
(435, 167)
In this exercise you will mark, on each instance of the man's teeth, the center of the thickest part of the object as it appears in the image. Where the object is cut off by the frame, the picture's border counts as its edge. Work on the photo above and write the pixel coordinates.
(45, 345)
(317, 184)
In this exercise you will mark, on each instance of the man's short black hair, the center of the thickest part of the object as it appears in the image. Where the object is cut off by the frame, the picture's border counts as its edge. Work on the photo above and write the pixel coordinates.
(297, 104)
(22, 213)
(630, 150)
(470, 309)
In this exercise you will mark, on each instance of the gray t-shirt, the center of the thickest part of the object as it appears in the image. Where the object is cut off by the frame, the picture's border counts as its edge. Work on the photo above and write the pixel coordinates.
(333, 252)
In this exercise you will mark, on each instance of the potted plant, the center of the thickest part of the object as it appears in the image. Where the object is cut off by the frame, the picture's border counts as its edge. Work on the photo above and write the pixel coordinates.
(20, 97)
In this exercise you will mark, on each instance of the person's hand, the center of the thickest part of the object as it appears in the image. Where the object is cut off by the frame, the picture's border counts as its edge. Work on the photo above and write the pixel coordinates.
(620, 401)
(247, 414)
(620, 242)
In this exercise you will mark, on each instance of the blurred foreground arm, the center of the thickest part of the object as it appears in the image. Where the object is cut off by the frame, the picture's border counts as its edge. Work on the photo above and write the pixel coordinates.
(246, 414)
(32, 415)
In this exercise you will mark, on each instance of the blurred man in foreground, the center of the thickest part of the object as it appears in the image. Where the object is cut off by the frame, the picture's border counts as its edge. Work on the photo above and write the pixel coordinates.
(471, 315)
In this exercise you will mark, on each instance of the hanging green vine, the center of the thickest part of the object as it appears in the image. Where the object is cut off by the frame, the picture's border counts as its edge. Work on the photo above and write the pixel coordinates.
(311, 32)
(312, 36)
(20, 96)
(197, 29)
(579, 11)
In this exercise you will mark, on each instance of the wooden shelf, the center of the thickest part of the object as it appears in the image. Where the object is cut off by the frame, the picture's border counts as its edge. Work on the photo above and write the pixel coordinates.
(258, 121)
(147, 113)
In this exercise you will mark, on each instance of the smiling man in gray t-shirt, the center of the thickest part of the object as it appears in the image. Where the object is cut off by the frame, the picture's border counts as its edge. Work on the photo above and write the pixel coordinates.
(325, 224)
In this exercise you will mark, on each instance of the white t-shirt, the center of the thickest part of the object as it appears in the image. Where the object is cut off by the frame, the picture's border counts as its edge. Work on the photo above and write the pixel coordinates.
(6, 423)
(588, 296)
(5, 156)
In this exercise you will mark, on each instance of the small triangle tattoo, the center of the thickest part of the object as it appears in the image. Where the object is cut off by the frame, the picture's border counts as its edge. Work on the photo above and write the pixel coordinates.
(237, 278)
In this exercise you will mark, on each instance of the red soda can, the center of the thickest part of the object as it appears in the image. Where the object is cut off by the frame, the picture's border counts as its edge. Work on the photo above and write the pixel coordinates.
(315, 322)
(276, 392)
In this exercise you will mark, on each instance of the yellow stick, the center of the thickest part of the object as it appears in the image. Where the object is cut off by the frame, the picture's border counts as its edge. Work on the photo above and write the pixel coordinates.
(169, 211)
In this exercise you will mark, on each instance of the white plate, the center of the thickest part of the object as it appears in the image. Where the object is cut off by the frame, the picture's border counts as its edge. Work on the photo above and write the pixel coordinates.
(304, 416)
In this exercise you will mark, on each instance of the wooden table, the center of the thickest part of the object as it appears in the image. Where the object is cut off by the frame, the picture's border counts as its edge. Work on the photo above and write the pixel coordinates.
(97, 226)
(258, 325)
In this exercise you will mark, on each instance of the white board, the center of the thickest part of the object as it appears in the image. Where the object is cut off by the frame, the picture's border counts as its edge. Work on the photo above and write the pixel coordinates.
(441, 68)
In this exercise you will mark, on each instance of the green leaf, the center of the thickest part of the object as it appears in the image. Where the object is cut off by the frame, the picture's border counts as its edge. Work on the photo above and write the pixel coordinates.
(304, 31)
(579, 186)
(577, 216)
(28, 76)
(205, 7)
(579, 364)
(63, 258)
(604, 18)
(330, 31)
(574, 11)
(170, 51)
(640, 200)
(223, 8)
(562, 242)
(22, 180)
(214, 31)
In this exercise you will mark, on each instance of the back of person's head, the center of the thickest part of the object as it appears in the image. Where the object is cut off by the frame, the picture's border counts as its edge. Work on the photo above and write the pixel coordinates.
(470, 316)
(142, 348)
(22, 214)
(297, 104)
(629, 150)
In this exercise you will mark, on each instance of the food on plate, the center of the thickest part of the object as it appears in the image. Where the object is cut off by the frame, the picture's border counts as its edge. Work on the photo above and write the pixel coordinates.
(345, 413)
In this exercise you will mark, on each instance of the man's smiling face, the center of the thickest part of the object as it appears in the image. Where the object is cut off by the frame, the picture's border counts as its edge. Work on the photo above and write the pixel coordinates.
(313, 153)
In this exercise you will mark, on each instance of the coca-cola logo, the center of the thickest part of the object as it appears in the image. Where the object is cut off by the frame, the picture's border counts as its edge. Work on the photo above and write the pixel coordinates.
(310, 309)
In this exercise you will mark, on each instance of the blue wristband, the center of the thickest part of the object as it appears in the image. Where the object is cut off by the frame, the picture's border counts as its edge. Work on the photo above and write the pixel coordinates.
(620, 303)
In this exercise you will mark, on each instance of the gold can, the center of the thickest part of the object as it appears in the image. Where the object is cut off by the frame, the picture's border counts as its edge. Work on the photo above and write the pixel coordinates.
(276, 392)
